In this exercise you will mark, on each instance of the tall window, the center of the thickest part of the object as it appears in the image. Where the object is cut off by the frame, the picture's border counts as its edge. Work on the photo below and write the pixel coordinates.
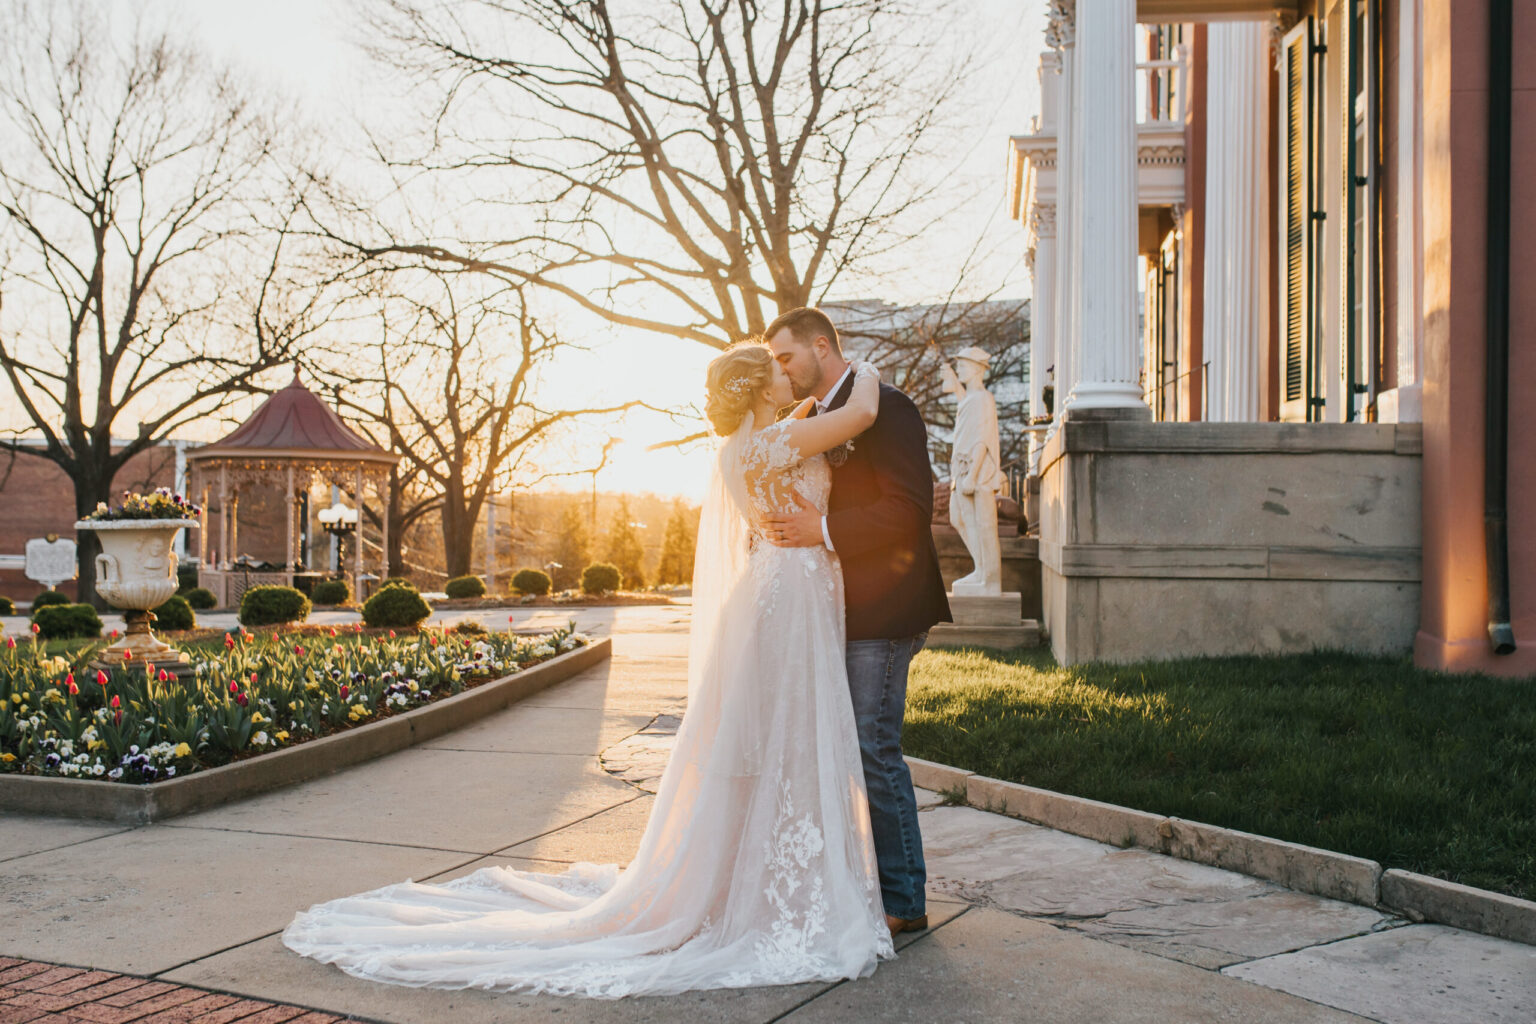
(1358, 365)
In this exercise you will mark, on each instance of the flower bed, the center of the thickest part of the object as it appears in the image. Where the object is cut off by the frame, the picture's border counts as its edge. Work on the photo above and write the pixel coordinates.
(248, 695)
(556, 600)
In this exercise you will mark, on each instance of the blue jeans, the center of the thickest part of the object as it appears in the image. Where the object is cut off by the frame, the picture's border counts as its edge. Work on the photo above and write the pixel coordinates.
(877, 678)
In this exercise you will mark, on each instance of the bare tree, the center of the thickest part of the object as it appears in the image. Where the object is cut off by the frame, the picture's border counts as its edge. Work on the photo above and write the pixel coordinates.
(127, 187)
(449, 385)
(909, 342)
(696, 165)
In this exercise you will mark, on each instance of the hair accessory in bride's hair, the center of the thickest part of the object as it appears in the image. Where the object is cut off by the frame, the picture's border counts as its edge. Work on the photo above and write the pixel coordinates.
(737, 385)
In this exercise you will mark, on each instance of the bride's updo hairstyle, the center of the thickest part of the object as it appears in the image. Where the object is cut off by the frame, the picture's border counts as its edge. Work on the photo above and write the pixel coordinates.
(735, 380)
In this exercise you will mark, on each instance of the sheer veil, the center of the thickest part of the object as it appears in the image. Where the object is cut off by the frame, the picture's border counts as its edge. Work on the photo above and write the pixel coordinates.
(718, 634)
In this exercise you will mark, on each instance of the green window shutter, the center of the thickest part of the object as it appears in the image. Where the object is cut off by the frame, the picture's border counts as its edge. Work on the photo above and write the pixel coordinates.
(1296, 263)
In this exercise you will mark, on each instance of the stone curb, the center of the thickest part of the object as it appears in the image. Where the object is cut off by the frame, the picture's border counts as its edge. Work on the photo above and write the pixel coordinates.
(139, 805)
(1302, 868)
(1460, 906)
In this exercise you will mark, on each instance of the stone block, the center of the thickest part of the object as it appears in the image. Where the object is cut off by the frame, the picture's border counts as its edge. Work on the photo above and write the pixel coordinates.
(1303, 868)
(940, 778)
(1107, 823)
(1461, 906)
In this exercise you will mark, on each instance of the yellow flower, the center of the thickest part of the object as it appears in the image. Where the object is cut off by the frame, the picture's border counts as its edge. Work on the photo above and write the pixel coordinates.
(95, 744)
(7, 758)
(358, 711)
(282, 737)
(258, 717)
(182, 750)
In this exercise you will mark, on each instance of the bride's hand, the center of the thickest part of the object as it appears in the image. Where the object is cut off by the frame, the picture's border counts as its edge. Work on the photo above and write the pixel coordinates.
(862, 368)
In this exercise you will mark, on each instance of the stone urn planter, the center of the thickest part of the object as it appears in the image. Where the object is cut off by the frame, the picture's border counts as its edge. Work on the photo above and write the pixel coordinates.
(136, 572)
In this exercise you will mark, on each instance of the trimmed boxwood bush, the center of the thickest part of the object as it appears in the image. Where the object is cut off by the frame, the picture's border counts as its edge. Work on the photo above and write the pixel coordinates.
(531, 581)
(268, 606)
(397, 581)
(599, 578)
(67, 621)
(395, 606)
(186, 578)
(469, 627)
(331, 592)
(465, 586)
(7, 606)
(47, 598)
(176, 613)
(201, 598)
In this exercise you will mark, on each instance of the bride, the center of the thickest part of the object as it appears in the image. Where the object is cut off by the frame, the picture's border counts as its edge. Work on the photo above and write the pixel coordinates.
(757, 866)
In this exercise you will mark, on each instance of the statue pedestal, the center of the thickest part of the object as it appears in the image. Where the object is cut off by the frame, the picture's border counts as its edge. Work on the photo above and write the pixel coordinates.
(986, 621)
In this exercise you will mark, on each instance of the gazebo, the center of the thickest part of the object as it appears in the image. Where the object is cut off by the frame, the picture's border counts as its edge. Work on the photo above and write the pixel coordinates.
(292, 440)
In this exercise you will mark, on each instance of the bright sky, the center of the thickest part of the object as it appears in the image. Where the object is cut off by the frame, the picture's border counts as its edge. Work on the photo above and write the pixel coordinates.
(308, 49)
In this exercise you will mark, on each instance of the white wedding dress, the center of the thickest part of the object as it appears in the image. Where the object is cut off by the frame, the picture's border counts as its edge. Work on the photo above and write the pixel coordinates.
(757, 866)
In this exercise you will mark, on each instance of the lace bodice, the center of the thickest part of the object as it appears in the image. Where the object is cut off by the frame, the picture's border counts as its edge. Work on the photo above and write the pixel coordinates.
(775, 471)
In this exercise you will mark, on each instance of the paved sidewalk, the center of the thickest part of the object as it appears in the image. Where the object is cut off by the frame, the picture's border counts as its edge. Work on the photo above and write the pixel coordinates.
(1028, 923)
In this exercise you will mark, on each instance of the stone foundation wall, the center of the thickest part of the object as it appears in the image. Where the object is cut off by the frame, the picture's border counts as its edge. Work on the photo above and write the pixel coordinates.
(1021, 565)
(1166, 540)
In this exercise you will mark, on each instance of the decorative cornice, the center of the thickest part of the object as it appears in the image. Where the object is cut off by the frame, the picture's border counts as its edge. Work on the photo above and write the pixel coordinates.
(1280, 22)
(1042, 220)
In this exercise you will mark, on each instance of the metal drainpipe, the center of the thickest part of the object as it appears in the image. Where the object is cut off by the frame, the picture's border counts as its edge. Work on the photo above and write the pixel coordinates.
(1501, 636)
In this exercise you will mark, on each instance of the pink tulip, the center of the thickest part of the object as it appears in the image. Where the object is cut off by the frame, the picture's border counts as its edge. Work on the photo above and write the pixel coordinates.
(10, 642)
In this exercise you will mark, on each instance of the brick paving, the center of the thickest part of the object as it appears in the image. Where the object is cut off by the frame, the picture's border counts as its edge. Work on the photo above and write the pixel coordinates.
(31, 991)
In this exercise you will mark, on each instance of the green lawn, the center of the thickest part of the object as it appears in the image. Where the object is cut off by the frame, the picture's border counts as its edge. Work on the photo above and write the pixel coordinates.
(1364, 755)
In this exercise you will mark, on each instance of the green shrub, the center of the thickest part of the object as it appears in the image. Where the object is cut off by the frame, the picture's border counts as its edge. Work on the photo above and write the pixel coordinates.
(331, 592)
(267, 606)
(600, 578)
(186, 578)
(395, 606)
(531, 581)
(469, 627)
(47, 598)
(176, 613)
(7, 606)
(201, 598)
(67, 621)
(465, 586)
(397, 581)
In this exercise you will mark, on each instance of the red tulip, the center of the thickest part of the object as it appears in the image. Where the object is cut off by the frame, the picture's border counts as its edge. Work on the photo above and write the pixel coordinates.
(344, 691)
(128, 654)
(242, 699)
(10, 642)
(229, 641)
(234, 687)
(333, 631)
(114, 635)
(116, 702)
(101, 677)
(253, 678)
(165, 676)
(72, 687)
(509, 618)
(391, 634)
(36, 628)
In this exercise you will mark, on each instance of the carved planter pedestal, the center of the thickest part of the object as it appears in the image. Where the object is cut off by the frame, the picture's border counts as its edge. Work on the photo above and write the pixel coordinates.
(136, 572)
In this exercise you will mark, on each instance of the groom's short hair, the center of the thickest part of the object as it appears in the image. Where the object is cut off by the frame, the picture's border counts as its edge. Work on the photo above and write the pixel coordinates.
(806, 324)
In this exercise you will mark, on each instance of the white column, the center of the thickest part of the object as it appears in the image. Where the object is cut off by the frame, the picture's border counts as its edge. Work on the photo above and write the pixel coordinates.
(289, 505)
(1105, 357)
(335, 562)
(1236, 217)
(1069, 205)
(1042, 316)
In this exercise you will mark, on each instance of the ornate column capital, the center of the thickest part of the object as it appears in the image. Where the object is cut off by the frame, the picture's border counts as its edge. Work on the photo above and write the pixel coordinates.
(1061, 24)
(1042, 220)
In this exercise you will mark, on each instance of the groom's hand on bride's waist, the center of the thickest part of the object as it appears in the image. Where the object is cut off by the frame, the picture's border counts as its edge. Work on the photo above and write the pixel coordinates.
(795, 529)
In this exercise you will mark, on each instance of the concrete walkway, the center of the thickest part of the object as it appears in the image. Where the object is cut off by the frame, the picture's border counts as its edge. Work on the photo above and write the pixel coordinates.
(1028, 923)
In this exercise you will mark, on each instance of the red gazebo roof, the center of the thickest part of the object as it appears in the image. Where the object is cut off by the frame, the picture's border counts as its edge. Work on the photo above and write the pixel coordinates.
(295, 423)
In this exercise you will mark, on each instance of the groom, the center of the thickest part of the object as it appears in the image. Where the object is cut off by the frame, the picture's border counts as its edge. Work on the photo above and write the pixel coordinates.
(878, 525)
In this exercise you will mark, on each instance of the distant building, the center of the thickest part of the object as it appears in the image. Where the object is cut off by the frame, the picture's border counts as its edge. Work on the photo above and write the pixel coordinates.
(1266, 228)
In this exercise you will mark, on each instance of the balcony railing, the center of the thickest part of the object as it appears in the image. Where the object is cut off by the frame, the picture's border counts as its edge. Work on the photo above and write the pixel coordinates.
(1161, 86)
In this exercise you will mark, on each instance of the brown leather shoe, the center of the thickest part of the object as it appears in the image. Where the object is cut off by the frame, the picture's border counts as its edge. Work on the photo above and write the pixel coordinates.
(897, 925)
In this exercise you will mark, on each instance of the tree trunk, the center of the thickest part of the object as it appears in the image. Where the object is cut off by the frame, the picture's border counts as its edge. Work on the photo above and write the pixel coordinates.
(90, 488)
(396, 553)
(458, 538)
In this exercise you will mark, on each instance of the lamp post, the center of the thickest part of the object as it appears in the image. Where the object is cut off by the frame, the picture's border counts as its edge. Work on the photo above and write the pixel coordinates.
(338, 521)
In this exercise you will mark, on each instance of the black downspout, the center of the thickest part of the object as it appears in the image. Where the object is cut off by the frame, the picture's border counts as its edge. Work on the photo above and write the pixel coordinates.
(1501, 637)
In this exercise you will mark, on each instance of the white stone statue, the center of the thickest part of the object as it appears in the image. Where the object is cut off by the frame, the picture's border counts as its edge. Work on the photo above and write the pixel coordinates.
(975, 472)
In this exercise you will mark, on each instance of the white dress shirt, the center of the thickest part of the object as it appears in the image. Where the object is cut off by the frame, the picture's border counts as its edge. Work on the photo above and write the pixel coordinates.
(821, 407)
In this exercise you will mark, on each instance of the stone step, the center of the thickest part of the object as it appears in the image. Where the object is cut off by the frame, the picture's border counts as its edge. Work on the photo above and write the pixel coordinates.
(1025, 634)
(1004, 609)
